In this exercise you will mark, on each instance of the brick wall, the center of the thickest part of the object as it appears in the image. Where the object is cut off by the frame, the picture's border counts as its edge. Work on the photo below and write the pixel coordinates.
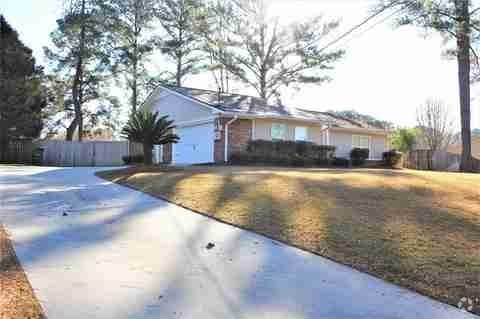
(240, 132)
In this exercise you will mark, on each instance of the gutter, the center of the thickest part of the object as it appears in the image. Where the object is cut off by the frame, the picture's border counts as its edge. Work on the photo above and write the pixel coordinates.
(271, 117)
(226, 137)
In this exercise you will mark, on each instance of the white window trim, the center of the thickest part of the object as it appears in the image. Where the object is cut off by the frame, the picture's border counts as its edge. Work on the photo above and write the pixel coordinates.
(369, 143)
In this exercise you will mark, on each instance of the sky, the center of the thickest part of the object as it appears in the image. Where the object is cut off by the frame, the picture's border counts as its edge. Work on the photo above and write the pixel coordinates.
(387, 72)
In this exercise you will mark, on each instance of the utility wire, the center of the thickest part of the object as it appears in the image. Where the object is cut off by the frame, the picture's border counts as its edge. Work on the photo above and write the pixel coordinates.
(376, 24)
(365, 21)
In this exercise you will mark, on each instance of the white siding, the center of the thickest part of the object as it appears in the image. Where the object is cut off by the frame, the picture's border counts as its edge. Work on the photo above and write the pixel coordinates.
(343, 143)
(177, 108)
(342, 140)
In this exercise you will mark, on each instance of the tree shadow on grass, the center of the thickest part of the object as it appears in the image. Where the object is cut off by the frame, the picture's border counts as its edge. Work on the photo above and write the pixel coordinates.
(399, 234)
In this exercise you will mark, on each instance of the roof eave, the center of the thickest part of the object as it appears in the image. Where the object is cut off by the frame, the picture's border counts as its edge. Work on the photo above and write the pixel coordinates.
(274, 117)
(361, 129)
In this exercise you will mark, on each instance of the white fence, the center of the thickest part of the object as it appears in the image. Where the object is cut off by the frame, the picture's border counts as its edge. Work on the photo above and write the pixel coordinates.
(90, 153)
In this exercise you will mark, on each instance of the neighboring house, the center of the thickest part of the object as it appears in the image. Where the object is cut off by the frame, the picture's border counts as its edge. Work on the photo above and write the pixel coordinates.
(457, 147)
(212, 126)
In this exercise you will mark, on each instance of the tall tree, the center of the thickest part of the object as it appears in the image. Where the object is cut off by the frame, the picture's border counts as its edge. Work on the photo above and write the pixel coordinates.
(456, 20)
(81, 55)
(268, 56)
(131, 26)
(181, 20)
(22, 95)
(218, 29)
(435, 125)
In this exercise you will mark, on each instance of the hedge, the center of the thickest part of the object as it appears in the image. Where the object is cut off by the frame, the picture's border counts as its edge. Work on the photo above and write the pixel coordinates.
(288, 153)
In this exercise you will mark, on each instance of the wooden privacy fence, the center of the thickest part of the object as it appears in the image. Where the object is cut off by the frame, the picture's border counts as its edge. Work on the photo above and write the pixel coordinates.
(19, 151)
(72, 153)
(418, 159)
(90, 153)
(440, 161)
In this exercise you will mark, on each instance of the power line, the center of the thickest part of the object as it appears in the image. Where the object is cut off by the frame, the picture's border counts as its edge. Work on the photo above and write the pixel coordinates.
(366, 20)
(376, 24)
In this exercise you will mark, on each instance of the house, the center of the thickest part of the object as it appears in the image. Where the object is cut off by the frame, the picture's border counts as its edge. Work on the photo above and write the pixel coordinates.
(457, 147)
(213, 125)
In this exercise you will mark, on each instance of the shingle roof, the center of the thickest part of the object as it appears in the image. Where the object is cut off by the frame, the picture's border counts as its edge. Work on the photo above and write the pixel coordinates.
(249, 105)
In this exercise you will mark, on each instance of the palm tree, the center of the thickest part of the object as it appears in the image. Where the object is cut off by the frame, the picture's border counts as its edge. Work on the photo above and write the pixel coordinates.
(149, 128)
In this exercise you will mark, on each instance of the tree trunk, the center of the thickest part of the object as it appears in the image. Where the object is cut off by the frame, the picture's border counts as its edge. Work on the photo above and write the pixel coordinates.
(76, 85)
(135, 61)
(71, 129)
(147, 154)
(463, 59)
(134, 87)
(80, 126)
(179, 71)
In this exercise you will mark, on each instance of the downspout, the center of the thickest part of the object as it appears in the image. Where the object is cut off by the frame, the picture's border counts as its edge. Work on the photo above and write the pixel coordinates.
(327, 134)
(226, 137)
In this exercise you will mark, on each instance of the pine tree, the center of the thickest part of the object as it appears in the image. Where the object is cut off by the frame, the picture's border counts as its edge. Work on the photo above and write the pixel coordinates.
(22, 96)
(456, 20)
(81, 56)
(131, 28)
(181, 20)
(268, 56)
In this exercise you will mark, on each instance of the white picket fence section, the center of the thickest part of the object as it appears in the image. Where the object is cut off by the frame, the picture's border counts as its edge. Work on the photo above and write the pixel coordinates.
(89, 153)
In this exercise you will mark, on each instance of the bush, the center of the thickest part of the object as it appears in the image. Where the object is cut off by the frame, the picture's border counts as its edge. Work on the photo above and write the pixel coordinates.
(359, 155)
(392, 158)
(132, 159)
(341, 162)
(284, 153)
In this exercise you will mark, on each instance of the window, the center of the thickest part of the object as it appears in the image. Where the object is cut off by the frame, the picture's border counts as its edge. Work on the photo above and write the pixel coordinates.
(300, 133)
(361, 141)
(278, 131)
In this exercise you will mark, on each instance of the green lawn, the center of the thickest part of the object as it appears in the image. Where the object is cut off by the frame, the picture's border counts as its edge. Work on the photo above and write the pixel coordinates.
(418, 229)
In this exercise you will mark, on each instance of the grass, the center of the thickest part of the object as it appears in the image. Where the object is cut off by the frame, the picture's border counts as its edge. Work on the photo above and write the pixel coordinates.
(17, 299)
(417, 229)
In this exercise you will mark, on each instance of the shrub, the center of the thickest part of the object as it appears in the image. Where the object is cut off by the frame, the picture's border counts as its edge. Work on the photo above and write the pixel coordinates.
(341, 162)
(132, 159)
(284, 153)
(359, 155)
(392, 158)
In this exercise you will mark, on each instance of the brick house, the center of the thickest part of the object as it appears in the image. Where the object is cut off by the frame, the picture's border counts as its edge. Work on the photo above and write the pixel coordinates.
(213, 125)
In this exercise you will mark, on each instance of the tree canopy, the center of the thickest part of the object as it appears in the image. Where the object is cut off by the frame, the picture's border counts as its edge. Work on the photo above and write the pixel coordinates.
(23, 97)
(81, 57)
(368, 119)
(149, 128)
(131, 27)
(459, 22)
(268, 56)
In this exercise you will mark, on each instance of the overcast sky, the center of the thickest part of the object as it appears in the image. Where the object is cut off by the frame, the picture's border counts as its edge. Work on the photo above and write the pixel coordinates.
(386, 72)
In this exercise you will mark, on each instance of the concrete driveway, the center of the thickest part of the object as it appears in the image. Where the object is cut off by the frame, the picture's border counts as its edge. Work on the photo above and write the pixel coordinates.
(122, 254)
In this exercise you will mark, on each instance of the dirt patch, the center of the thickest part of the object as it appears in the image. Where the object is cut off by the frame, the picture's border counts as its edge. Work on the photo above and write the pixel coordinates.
(17, 300)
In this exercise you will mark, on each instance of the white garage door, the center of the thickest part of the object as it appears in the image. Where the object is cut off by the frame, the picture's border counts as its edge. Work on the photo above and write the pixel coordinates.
(195, 145)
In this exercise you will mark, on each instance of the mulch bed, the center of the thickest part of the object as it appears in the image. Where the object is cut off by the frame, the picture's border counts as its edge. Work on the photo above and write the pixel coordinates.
(17, 299)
